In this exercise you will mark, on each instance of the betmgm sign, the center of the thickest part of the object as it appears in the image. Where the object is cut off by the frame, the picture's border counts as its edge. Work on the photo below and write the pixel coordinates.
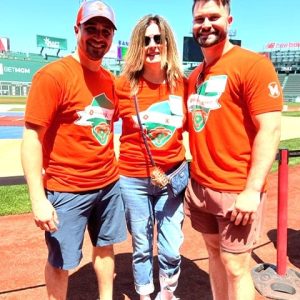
(16, 76)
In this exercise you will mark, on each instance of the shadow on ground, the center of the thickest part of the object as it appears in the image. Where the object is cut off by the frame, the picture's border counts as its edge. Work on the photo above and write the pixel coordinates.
(193, 284)
(293, 244)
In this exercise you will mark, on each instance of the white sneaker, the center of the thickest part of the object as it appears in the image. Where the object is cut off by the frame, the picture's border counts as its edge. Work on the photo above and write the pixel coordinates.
(158, 297)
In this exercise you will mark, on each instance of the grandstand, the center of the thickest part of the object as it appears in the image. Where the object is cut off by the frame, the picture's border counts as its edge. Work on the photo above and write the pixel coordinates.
(287, 65)
(291, 87)
(18, 68)
(281, 78)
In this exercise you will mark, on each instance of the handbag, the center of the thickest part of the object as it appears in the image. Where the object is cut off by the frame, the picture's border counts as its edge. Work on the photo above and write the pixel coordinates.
(177, 180)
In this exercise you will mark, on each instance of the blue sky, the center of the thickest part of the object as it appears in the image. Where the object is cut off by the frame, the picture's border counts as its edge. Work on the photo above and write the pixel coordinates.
(256, 22)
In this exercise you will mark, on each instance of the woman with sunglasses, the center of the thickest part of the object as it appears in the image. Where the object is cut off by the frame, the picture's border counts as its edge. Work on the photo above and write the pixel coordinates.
(151, 91)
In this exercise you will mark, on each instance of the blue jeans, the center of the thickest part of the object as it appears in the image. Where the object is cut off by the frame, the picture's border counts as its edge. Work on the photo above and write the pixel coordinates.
(146, 204)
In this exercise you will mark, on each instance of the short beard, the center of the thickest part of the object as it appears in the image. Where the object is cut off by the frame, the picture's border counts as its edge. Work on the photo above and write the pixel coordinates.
(220, 38)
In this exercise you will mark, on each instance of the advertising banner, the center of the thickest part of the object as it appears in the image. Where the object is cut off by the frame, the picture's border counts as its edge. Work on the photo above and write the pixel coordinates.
(18, 70)
(51, 42)
(282, 46)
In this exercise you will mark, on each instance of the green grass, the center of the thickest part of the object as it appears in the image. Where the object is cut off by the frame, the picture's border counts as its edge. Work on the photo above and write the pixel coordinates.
(12, 100)
(291, 113)
(292, 144)
(14, 200)
(295, 104)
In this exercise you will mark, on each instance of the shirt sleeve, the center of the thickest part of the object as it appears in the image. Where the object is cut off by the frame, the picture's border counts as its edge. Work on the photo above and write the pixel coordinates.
(262, 88)
(43, 99)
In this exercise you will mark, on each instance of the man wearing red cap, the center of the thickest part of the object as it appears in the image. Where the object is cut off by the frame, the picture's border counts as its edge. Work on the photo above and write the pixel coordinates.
(68, 156)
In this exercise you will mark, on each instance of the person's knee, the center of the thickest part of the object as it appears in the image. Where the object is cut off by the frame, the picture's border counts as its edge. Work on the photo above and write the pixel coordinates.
(169, 258)
(236, 265)
(169, 251)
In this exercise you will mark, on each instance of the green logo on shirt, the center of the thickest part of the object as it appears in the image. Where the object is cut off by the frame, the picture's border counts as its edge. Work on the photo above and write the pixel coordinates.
(205, 100)
(98, 116)
(161, 120)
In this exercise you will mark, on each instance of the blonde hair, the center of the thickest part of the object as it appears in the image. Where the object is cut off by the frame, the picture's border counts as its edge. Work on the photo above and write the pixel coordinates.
(134, 59)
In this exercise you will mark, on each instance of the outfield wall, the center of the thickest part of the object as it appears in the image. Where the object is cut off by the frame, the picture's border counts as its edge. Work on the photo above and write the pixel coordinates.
(16, 76)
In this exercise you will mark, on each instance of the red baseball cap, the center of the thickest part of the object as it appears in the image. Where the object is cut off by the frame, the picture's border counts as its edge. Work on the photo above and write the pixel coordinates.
(95, 8)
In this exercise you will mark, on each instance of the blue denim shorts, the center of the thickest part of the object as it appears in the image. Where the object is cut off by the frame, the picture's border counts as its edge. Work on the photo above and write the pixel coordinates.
(101, 211)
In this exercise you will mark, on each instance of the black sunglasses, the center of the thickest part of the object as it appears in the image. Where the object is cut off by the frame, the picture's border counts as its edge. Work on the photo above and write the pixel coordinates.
(156, 38)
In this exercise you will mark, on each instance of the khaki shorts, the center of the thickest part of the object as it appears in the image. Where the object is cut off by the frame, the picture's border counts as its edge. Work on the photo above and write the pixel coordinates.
(210, 212)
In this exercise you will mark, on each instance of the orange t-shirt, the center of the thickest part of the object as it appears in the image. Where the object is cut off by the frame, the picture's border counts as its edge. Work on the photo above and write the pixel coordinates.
(239, 85)
(163, 116)
(78, 108)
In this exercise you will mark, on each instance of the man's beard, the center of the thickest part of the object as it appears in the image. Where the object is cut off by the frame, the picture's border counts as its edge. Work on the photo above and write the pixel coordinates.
(94, 53)
(219, 37)
(93, 65)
